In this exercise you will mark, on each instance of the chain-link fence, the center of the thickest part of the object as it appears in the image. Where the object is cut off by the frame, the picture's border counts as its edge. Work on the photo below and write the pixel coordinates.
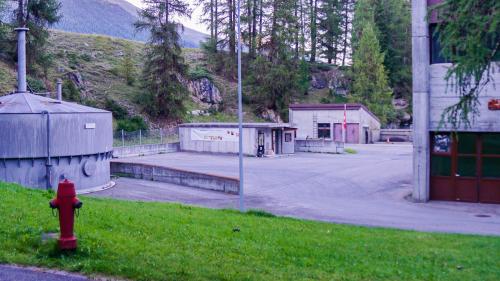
(124, 138)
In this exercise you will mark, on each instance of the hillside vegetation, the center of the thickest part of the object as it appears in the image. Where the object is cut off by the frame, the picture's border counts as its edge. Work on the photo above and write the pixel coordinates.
(94, 65)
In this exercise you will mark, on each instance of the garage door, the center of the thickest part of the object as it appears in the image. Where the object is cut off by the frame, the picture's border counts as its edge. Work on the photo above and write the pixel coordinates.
(352, 132)
(465, 167)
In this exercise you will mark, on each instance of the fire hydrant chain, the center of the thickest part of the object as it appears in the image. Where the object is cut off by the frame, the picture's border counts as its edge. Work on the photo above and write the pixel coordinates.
(67, 205)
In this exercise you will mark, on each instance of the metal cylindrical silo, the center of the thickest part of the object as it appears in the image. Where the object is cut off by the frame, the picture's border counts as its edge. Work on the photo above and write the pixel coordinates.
(43, 140)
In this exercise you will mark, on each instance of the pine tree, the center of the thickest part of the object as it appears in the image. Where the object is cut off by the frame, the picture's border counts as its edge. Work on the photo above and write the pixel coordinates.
(164, 66)
(370, 85)
(330, 32)
(127, 67)
(38, 16)
(393, 21)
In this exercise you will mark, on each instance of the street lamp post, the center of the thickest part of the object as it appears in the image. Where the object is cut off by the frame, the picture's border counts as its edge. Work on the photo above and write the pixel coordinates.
(240, 115)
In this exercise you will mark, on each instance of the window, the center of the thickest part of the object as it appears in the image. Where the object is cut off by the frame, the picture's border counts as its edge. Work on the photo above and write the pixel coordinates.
(288, 137)
(324, 130)
(441, 143)
(436, 55)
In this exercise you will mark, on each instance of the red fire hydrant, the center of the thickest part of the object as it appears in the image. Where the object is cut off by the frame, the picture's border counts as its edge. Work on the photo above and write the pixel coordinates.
(66, 202)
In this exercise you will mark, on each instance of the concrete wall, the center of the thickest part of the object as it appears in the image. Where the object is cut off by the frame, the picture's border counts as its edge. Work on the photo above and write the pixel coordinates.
(176, 176)
(318, 146)
(146, 149)
(399, 134)
(303, 120)
(442, 97)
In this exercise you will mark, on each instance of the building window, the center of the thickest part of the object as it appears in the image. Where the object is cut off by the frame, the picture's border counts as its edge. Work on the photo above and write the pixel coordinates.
(324, 131)
(441, 143)
(436, 55)
(288, 137)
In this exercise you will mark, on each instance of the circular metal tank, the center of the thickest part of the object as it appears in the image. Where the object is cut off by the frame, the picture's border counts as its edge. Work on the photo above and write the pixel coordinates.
(43, 140)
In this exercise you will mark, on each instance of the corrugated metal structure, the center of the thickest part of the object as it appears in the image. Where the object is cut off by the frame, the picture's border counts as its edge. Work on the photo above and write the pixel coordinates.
(43, 140)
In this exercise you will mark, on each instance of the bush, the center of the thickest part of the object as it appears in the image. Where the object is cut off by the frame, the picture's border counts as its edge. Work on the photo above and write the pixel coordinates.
(119, 112)
(198, 73)
(135, 123)
(36, 85)
(70, 91)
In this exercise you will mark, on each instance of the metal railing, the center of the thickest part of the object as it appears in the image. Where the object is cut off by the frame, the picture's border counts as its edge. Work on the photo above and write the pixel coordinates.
(159, 136)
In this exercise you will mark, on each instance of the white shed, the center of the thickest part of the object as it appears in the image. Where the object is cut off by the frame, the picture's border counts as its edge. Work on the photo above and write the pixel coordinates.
(324, 121)
(259, 139)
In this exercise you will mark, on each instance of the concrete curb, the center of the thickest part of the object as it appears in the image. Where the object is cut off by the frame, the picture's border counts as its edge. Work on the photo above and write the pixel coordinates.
(96, 189)
(176, 176)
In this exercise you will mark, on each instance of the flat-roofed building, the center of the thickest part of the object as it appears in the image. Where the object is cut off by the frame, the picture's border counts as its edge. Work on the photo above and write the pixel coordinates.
(324, 121)
(259, 139)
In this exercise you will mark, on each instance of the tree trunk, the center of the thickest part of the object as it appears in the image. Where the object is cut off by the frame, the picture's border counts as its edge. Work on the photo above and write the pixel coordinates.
(232, 40)
(254, 26)
(216, 25)
(313, 29)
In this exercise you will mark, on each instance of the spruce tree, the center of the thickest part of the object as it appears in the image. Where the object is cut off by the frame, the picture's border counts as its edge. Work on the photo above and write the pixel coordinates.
(370, 85)
(38, 16)
(164, 66)
(330, 32)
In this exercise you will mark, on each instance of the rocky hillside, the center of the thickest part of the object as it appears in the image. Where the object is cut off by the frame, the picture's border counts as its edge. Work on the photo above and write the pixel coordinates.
(91, 67)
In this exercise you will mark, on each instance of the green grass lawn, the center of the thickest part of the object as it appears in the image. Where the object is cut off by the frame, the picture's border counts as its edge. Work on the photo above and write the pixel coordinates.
(158, 241)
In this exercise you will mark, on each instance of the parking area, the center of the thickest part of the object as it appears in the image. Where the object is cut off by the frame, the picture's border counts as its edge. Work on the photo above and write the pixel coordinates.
(369, 188)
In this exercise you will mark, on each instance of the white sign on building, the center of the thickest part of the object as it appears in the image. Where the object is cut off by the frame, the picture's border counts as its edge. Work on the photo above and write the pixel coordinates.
(214, 134)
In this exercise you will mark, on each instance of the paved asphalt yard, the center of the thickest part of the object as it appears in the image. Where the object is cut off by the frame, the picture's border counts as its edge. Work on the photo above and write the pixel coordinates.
(369, 188)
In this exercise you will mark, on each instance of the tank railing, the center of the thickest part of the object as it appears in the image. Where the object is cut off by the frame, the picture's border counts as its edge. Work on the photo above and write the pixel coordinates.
(141, 137)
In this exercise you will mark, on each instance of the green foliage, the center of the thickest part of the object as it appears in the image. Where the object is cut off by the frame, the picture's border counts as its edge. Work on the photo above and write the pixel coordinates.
(333, 97)
(132, 124)
(70, 91)
(393, 21)
(130, 240)
(119, 112)
(350, 151)
(127, 68)
(41, 14)
(330, 19)
(164, 66)
(199, 72)
(36, 85)
(469, 34)
(370, 85)
(273, 85)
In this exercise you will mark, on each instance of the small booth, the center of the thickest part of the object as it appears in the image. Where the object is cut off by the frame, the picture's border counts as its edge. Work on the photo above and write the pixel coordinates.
(259, 139)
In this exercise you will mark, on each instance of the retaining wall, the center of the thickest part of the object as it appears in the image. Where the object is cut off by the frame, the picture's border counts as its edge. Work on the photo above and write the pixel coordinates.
(176, 176)
(405, 135)
(319, 146)
(145, 149)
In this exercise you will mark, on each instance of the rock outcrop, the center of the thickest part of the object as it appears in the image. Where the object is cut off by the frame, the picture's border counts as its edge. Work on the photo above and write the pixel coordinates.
(204, 91)
(271, 115)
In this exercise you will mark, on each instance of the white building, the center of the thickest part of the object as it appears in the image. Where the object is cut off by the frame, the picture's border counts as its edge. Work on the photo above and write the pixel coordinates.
(259, 139)
(324, 121)
(457, 167)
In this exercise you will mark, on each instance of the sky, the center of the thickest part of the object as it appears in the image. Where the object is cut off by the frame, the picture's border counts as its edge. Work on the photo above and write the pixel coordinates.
(192, 23)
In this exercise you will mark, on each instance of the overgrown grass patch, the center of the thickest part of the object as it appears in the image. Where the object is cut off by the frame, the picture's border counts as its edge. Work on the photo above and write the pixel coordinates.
(160, 241)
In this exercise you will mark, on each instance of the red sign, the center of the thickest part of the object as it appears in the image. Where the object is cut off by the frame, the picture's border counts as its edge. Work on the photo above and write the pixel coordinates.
(494, 104)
